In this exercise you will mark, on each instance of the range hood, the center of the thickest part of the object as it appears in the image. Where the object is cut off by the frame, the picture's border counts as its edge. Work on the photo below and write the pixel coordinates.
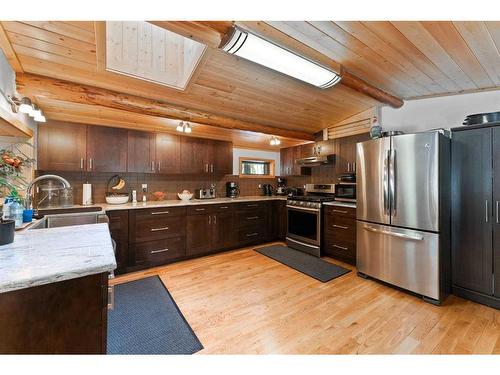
(313, 161)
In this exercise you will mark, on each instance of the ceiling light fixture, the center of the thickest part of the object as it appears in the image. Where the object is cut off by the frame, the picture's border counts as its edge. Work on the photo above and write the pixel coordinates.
(274, 141)
(36, 112)
(25, 106)
(184, 127)
(40, 118)
(254, 48)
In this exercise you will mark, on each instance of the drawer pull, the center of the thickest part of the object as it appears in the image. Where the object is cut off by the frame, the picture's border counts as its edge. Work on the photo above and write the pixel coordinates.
(158, 251)
(253, 217)
(340, 247)
(158, 229)
(199, 209)
(339, 226)
(223, 207)
(252, 234)
(159, 213)
(252, 205)
(340, 211)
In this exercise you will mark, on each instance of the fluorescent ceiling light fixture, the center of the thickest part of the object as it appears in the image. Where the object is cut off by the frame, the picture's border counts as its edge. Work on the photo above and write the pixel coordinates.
(25, 106)
(252, 47)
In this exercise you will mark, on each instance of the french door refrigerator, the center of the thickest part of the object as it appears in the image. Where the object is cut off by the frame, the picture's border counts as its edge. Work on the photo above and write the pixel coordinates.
(402, 212)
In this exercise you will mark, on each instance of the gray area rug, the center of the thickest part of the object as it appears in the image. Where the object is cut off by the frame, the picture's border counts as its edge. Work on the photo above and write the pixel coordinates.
(146, 320)
(308, 264)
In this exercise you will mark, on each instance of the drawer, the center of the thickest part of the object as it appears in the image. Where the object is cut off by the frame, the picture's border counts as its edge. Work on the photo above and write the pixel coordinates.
(157, 227)
(340, 228)
(252, 234)
(158, 252)
(258, 205)
(340, 249)
(199, 210)
(341, 211)
(251, 218)
(159, 212)
(223, 207)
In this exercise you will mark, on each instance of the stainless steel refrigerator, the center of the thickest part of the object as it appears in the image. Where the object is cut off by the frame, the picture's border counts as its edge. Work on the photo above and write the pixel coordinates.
(403, 212)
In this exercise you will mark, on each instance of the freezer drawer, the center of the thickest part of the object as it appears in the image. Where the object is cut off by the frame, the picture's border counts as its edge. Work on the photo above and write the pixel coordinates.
(402, 257)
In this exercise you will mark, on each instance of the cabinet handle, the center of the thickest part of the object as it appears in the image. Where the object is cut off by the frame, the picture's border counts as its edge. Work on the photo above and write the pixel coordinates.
(82, 162)
(496, 203)
(159, 213)
(90, 164)
(348, 167)
(158, 229)
(215, 219)
(211, 168)
(252, 234)
(111, 297)
(209, 220)
(339, 226)
(252, 205)
(252, 217)
(340, 247)
(340, 211)
(199, 209)
(159, 251)
(223, 207)
(159, 166)
(152, 165)
(486, 210)
(206, 168)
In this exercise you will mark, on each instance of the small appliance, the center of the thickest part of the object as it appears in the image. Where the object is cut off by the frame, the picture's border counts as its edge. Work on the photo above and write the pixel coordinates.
(205, 193)
(281, 186)
(267, 189)
(232, 189)
(304, 215)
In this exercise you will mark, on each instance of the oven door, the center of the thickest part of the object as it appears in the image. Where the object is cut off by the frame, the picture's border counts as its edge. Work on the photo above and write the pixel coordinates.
(304, 228)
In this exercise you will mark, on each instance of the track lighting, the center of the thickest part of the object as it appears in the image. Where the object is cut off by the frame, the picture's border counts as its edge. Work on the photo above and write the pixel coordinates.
(36, 112)
(184, 127)
(275, 141)
(25, 105)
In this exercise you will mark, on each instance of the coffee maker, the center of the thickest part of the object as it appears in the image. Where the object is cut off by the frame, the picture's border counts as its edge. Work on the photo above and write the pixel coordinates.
(232, 189)
(281, 186)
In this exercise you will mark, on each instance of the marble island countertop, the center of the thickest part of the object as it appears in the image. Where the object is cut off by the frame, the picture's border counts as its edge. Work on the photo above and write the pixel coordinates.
(43, 256)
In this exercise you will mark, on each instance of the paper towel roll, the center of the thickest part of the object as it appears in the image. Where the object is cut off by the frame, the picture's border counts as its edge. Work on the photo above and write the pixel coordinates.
(87, 194)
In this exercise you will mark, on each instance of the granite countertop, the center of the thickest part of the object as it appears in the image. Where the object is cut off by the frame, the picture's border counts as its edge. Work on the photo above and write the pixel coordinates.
(43, 256)
(179, 203)
(340, 204)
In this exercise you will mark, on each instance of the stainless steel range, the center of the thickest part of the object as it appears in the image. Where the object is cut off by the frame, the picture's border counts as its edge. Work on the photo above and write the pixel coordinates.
(304, 218)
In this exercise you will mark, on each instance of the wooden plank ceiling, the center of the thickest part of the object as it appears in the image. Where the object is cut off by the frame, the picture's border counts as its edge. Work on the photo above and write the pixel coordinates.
(406, 59)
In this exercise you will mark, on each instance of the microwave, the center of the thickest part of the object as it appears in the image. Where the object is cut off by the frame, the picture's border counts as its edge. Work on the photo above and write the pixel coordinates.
(345, 191)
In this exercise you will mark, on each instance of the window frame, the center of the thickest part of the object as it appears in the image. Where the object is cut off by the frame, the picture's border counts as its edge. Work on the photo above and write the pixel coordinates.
(272, 169)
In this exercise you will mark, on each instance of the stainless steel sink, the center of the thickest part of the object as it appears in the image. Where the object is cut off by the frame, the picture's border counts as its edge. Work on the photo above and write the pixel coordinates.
(74, 218)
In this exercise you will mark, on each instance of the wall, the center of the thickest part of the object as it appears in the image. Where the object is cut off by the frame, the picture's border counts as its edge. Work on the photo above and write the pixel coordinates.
(439, 112)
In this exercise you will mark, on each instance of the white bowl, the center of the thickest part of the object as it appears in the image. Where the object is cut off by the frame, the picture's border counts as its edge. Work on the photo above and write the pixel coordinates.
(117, 199)
(185, 196)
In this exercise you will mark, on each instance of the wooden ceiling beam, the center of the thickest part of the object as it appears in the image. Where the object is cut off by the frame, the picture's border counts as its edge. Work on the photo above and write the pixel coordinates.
(52, 88)
(212, 33)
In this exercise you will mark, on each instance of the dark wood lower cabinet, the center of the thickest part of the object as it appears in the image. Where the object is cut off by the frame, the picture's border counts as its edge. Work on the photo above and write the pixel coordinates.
(339, 233)
(151, 237)
(66, 317)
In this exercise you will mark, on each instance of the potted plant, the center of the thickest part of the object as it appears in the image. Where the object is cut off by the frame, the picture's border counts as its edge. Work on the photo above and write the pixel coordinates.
(12, 162)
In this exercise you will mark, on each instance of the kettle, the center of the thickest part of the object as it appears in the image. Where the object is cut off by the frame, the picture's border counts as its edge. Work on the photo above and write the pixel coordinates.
(268, 189)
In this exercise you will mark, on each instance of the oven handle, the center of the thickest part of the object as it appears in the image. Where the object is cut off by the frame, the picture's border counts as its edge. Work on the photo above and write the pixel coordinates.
(303, 208)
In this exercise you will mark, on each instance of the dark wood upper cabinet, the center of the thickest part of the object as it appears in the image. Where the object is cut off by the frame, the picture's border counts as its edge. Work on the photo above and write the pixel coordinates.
(222, 157)
(106, 149)
(168, 153)
(141, 152)
(472, 209)
(345, 152)
(194, 153)
(62, 146)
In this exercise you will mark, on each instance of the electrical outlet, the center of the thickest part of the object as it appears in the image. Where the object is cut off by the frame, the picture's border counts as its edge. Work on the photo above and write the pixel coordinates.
(144, 187)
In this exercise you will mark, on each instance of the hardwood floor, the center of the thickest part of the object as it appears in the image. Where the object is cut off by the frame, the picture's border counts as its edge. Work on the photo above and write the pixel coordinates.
(242, 302)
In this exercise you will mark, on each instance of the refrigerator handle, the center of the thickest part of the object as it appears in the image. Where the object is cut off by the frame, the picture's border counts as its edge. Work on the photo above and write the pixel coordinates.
(386, 183)
(392, 180)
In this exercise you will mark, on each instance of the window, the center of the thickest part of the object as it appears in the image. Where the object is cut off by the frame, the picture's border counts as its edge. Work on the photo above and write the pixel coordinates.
(257, 168)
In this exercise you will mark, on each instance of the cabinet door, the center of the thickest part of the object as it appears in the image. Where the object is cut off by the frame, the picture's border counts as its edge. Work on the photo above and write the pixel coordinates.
(294, 155)
(106, 149)
(194, 155)
(222, 230)
(198, 234)
(222, 157)
(141, 152)
(118, 227)
(168, 154)
(471, 214)
(496, 207)
(286, 156)
(62, 146)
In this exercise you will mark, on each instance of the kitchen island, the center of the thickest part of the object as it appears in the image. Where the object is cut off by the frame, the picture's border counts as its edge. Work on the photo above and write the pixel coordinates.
(54, 290)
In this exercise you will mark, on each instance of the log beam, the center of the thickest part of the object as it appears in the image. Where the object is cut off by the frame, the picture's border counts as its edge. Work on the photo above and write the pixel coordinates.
(52, 88)
(212, 32)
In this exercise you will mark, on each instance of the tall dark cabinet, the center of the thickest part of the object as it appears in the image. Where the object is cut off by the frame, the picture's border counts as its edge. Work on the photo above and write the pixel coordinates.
(475, 155)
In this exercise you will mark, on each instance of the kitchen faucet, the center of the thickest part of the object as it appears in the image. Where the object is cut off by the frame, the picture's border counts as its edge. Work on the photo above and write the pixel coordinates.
(29, 189)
